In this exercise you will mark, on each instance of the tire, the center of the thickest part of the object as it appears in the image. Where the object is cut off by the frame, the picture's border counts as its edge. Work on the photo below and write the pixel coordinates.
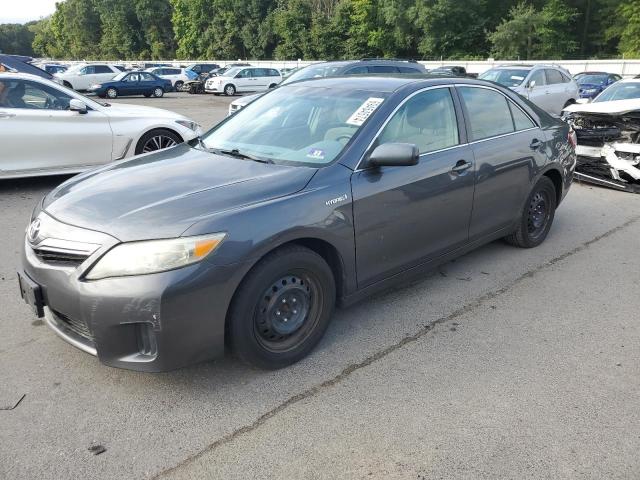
(158, 92)
(146, 95)
(112, 93)
(156, 140)
(230, 90)
(264, 327)
(537, 216)
(178, 84)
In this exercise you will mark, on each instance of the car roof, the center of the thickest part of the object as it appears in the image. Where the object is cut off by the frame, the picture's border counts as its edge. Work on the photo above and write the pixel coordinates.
(595, 73)
(629, 80)
(386, 83)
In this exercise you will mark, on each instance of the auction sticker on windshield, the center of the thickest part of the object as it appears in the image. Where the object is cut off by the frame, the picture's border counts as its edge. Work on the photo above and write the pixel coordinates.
(364, 111)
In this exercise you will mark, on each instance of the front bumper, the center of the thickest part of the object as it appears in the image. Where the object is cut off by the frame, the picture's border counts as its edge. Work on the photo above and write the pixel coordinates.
(150, 323)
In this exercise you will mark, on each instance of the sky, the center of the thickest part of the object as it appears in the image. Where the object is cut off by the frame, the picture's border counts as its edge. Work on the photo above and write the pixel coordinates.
(22, 11)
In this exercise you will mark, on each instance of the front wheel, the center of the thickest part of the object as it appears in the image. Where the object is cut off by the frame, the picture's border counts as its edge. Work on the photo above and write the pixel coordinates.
(157, 140)
(282, 308)
(230, 90)
(537, 216)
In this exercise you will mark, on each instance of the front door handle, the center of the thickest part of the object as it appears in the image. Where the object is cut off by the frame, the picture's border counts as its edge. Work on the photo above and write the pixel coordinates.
(7, 115)
(461, 166)
(535, 144)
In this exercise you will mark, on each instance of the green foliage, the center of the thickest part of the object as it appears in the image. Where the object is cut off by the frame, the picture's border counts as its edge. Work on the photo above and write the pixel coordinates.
(16, 39)
(331, 29)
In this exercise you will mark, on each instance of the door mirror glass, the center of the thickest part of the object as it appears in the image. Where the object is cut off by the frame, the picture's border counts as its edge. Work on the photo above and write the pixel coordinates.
(76, 105)
(394, 155)
(532, 84)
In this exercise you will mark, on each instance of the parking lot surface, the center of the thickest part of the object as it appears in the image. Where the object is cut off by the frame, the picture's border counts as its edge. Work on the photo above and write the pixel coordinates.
(506, 363)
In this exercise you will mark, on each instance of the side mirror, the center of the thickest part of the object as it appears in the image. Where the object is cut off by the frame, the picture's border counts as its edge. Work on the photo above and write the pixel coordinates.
(394, 155)
(532, 84)
(79, 106)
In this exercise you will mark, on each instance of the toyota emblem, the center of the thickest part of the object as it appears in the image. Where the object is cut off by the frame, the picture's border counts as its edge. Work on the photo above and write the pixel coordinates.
(33, 230)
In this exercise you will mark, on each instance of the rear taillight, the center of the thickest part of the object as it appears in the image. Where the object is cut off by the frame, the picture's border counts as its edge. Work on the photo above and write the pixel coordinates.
(573, 138)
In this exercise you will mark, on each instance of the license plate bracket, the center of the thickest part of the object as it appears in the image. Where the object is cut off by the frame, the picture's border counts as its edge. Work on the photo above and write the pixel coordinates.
(31, 293)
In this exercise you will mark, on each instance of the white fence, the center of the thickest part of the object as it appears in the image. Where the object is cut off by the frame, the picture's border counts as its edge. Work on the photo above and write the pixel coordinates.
(626, 68)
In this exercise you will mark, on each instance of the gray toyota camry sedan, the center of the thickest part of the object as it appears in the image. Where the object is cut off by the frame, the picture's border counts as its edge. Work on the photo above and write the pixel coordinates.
(319, 193)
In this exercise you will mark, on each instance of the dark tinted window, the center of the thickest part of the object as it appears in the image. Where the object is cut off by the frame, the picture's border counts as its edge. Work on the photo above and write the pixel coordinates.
(172, 71)
(553, 76)
(488, 111)
(102, 69)
(382, 69)
(357, 70)
(427, 120)
(408, 70)
(520, 120)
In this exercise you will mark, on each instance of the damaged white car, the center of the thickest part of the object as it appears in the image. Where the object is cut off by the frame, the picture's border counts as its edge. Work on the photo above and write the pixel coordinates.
(608, 135)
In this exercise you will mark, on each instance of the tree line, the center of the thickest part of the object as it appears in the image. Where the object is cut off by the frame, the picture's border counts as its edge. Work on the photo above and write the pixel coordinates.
(330, 29)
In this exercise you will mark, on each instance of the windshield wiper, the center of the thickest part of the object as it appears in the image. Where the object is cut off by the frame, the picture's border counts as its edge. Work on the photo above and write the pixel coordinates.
(238, 154)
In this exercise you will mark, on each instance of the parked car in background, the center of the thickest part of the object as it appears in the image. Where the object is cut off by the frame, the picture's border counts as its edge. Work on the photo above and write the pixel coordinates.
(319, 193)
(452, 70)
(82, 76)
(52, 68)
(132, 83)
(551, 87)
(592, 83)
(202, 69)
(17, 63)
(177, 76)
(608, 135)
(243, 79)
(337, 68)
(49, 129)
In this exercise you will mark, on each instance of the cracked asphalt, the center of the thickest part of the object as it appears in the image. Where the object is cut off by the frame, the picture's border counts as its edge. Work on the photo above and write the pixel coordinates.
(506, 363)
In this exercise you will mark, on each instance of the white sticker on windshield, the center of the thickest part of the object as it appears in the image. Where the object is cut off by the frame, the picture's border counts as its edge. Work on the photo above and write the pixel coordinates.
(516, 77)
(364, 111)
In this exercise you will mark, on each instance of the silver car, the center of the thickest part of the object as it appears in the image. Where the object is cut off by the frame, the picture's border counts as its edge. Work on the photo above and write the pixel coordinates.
(551, 87)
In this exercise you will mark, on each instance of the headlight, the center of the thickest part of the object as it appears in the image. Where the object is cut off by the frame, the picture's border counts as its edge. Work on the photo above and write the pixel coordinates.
(189, 124)
(152, 256)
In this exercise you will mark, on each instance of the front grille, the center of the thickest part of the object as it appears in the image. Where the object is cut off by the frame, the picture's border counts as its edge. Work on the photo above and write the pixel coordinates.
(60, 257)
(79, 327)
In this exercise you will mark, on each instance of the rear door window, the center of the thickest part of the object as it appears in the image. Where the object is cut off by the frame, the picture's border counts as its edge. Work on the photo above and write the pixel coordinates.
(488, 112)
(102, 69)
(357, 70)
(382, 69)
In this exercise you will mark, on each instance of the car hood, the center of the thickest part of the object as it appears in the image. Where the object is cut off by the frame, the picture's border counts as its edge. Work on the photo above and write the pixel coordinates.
(138, 111)
(615, 107)
(247, 99)
(162, 194)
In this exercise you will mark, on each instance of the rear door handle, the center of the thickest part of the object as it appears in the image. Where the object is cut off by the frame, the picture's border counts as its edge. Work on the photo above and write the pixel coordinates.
(535, 144)
(461, 166)
(7, 115)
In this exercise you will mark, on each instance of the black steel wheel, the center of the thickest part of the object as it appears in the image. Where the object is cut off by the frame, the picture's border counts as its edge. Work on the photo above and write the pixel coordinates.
(537, 216)
(282, 308)
(157, 140)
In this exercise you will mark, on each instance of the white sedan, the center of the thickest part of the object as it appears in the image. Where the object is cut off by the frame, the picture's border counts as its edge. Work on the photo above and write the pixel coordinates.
(48, 129)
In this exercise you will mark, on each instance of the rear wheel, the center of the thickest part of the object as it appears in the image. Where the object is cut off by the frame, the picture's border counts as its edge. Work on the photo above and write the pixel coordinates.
(158, 92)
(282, 308)
(157, 140)
(178, 84)
(230, 90)
(537, 216)
(112, 92)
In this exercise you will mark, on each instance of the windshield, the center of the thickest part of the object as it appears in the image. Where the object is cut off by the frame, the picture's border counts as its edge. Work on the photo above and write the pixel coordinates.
(505, 76)
(592, 79)
(231, 72)
(620, 91)
(295, 125)
(313, 71)
(76, 68)
(119, 77)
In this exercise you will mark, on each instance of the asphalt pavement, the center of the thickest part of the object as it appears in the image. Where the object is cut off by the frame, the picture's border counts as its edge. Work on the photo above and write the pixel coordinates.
(506, 363)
